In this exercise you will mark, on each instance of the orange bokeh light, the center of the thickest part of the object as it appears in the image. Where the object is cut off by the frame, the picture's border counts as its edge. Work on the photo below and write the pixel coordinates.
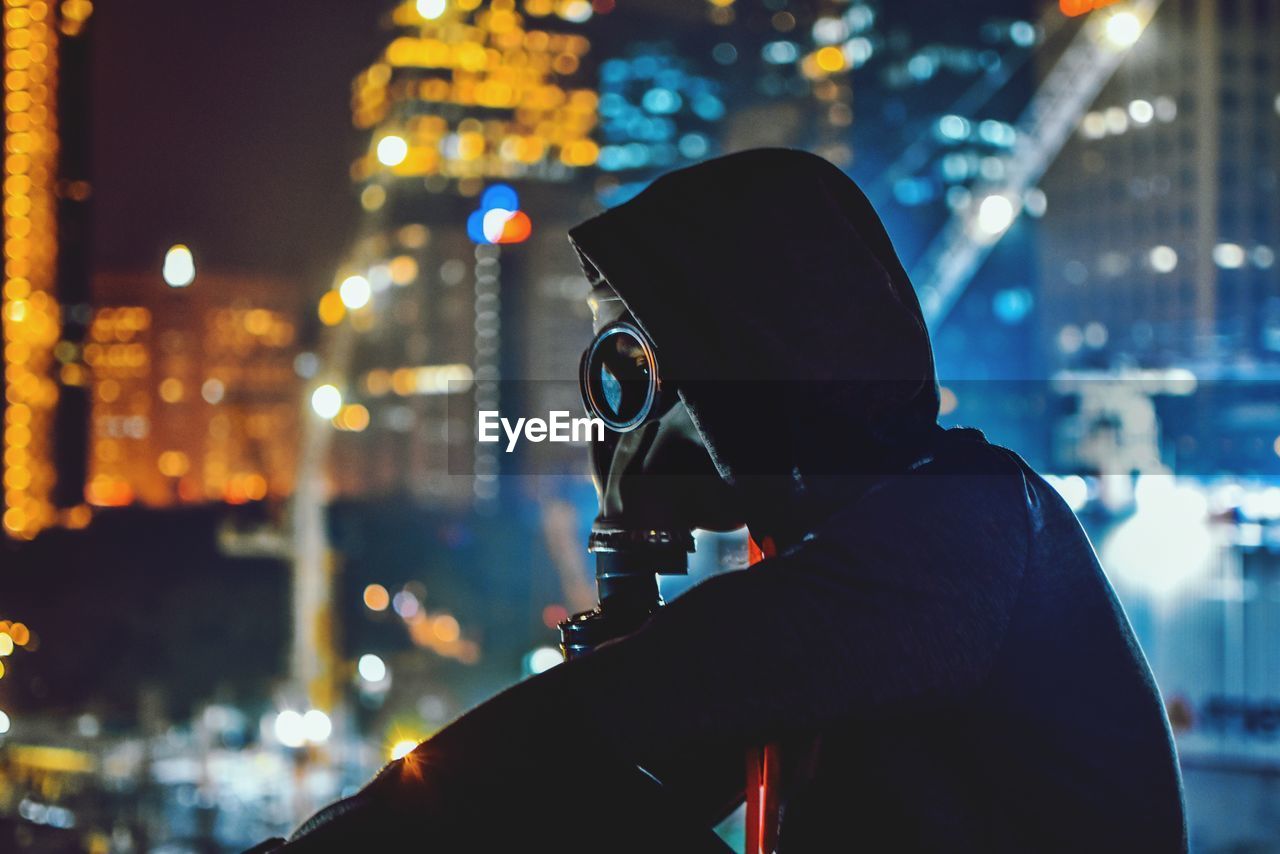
(20, 633)
(376, 597)
(1075, 8)
(517, 229)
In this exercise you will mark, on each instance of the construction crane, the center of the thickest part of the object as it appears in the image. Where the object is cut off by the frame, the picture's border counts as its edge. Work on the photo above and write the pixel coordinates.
(1075, 81)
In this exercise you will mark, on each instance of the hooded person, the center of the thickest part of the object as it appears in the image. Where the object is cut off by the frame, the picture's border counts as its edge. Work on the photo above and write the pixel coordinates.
(933, 642)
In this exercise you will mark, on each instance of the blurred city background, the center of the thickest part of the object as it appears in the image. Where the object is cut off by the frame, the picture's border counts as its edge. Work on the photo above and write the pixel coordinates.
(264, 261)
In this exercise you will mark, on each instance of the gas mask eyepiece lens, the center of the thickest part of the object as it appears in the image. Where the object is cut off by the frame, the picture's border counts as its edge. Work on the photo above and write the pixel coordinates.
(620, 383)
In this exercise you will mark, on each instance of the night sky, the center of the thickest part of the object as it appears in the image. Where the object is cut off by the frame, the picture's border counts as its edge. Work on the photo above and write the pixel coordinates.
(225, 125)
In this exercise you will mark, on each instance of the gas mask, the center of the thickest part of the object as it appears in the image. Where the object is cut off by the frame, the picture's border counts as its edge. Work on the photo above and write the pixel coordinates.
(619, 377)
(655, 481)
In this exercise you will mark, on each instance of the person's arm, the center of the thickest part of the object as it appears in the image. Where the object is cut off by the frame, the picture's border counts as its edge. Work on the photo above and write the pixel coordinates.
(904, 598)
(883, 610)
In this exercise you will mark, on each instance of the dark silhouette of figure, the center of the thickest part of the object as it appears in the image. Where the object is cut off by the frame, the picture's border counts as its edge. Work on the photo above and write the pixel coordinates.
(934, 644)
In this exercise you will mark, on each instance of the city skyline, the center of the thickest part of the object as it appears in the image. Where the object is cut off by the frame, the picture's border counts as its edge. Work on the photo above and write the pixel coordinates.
(299, 245)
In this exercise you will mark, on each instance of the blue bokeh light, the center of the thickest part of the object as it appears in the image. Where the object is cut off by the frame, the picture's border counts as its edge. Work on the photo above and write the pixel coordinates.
(499, 196)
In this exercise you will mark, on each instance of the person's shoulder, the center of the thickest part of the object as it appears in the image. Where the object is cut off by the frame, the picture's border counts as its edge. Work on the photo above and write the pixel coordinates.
(959, 515)
(963, 476)
(965, 450)
(967, 498)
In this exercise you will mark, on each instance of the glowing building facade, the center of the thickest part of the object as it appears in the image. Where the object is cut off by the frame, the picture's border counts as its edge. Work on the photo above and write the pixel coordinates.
(44, 288)
(785, 71)
(1160, 240)
(480, 116)
(477, 91)
(683, 82)
(195, 393)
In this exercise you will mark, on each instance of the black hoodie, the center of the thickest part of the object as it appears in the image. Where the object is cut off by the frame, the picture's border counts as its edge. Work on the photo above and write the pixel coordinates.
(782, 313)
(936, 646)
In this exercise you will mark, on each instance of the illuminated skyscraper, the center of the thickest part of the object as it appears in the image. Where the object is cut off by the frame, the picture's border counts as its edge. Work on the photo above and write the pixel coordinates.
(44, 300)
(785, 69)
(1160, 239)
(683, 82)
(472, 91)
(1158, 248)
(195, 393)
(475, 112)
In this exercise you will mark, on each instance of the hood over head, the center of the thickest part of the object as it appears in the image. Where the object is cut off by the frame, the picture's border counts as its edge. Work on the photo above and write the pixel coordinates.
(780, 310)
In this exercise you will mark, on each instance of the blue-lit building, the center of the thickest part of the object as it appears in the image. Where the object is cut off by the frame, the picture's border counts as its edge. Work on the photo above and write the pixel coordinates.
(1164, 210)
(1158, 261)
